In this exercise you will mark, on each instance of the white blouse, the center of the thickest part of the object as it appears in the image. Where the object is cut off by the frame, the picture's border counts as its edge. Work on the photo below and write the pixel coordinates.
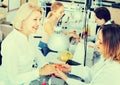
(20, 55)
(103, 73)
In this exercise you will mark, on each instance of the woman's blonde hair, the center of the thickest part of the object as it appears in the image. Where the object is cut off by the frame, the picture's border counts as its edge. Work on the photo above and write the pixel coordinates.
(23, 12)
(54, 7)
(111, 41)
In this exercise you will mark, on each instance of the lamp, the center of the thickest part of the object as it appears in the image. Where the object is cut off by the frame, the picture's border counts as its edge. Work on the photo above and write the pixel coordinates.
(58, 41)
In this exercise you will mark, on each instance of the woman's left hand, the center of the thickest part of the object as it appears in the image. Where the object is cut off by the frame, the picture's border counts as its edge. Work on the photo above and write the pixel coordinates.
(63, 67)
(61, 74)
(48, 69)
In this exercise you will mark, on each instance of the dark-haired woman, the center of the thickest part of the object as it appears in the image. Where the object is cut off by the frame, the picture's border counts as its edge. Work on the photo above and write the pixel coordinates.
(102, 17)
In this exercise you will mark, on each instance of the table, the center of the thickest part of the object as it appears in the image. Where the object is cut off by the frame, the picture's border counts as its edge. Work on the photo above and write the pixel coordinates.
(49, 80)
(52, 80)
(53, 58)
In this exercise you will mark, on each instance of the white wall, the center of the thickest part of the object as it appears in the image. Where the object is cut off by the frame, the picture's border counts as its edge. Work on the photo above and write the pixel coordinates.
(11, 15)
(13, 4)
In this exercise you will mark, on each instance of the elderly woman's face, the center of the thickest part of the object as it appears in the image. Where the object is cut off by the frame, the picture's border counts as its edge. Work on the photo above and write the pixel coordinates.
(31, 23)
(99, 42)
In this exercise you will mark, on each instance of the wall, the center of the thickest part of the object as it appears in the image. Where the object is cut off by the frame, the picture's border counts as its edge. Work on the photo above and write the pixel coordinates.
(115, 14)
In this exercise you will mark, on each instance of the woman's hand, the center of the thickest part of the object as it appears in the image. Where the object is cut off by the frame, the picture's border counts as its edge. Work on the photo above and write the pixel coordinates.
(63, 67)
(47, 69)
(61, 74)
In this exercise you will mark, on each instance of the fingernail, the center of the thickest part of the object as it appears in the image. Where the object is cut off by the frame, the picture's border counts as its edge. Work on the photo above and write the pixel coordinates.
(55, 66)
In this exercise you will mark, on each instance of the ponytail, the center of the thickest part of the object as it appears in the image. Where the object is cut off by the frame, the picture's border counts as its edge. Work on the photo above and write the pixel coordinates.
(49, 14)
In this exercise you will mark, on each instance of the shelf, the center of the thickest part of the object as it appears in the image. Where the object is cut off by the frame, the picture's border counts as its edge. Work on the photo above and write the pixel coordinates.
(75, 1)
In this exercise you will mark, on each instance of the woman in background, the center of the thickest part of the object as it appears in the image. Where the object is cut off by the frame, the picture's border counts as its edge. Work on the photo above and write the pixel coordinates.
(102, 17)
(107, 70)
(22, 60)
(57, 11)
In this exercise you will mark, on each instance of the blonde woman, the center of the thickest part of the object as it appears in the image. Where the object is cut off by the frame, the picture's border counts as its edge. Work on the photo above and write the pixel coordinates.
(107, 70)
(21, 60)
(57, 11)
